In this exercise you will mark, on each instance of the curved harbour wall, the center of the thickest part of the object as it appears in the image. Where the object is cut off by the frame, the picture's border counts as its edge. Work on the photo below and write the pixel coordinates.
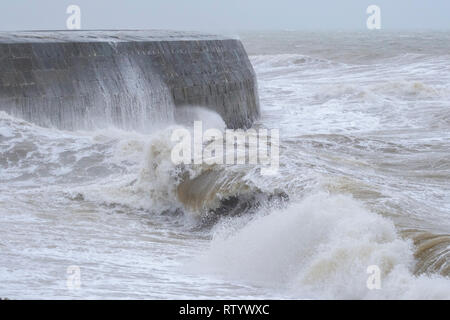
(131, 79)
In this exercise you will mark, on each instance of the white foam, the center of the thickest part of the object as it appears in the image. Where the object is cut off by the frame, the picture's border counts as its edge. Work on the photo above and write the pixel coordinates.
(320, 248)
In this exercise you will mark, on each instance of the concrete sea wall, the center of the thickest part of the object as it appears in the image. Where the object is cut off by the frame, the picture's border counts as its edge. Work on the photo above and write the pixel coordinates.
(131, 79)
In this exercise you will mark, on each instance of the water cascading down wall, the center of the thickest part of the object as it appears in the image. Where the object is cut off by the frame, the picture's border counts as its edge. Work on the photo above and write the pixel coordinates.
(130, 79)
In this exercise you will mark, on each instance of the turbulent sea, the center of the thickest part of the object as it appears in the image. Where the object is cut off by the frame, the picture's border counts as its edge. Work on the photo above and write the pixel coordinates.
(364, 180)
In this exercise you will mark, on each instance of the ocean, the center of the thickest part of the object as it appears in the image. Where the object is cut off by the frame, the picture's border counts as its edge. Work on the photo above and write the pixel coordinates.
(364, 180)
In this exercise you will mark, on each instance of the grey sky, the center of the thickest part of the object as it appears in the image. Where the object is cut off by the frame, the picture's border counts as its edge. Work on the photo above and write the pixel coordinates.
(224, 15)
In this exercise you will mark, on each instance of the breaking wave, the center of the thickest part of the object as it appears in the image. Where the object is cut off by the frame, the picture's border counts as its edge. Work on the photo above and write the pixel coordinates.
(117, 167)
(320, 247)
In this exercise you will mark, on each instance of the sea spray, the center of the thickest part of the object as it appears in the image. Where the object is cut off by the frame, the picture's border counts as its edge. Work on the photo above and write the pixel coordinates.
(321, 247)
